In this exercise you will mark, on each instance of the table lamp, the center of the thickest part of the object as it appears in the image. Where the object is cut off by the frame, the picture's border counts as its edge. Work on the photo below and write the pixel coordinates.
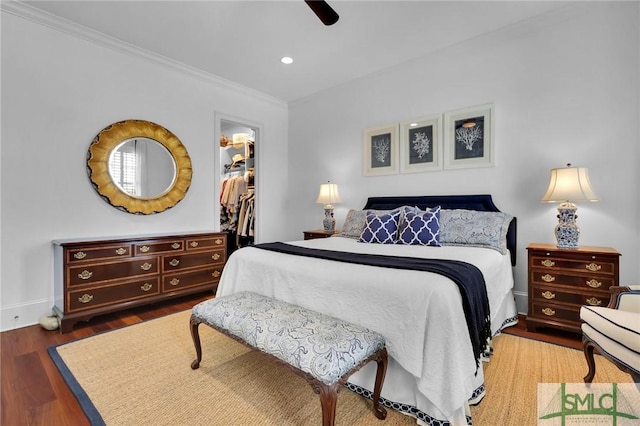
(568, 184)
(328, 196)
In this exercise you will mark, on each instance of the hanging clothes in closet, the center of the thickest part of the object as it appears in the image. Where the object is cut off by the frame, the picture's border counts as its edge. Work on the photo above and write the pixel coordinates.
(237, 209)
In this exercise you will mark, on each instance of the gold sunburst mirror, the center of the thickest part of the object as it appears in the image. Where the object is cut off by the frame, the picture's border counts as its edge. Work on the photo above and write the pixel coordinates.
(139, 167)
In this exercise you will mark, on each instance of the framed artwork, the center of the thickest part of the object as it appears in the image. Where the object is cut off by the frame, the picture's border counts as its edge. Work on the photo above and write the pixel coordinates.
(380, 149)
(468, 137)
(420, 145)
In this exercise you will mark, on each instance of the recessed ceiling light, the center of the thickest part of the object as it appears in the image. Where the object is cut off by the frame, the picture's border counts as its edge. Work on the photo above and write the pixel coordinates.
(286, 60)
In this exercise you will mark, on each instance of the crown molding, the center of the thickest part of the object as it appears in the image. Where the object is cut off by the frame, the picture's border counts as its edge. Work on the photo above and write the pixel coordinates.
(57, 23)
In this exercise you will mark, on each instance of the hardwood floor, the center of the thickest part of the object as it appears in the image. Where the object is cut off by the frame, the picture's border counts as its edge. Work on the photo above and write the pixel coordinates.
(34, 393)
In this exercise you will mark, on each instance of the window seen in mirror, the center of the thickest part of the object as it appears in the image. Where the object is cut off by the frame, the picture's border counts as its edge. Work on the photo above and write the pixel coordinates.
(123, 167)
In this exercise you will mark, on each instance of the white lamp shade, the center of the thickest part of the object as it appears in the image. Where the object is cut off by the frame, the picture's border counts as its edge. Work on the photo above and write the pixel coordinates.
(328, 194)
(569, 184)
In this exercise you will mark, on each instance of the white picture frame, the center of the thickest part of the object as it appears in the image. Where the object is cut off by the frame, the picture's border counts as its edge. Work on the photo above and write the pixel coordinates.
(421, 144)
(469, 137)
(380, 150)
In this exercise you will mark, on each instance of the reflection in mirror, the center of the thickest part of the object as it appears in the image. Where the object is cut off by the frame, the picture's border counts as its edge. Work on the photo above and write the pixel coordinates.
(142, 167)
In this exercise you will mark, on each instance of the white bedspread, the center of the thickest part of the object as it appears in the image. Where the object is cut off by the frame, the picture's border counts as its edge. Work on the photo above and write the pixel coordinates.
(419, 313)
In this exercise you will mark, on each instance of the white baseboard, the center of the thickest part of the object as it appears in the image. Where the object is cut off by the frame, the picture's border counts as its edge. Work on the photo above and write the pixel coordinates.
(522, 301)
(23, 315)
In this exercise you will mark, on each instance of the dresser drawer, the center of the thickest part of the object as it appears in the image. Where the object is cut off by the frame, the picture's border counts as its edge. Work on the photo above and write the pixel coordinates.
(578, 262)
(191, 279)
(593, 282)
(94, 297)
(193, 260)
(545, 294)
(553, 312)
(84, 254)
(155, 247)
(206, 243)
(106, 271)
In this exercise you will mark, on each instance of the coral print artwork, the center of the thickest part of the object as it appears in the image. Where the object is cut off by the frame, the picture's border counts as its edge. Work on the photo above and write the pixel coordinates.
(381, 150)
(469, 137)
(421, 149)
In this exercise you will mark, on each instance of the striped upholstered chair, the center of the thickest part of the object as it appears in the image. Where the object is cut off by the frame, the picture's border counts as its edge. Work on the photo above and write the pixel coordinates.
(614, 331)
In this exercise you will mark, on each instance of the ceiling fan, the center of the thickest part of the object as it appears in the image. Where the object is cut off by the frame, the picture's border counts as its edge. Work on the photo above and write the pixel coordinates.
(327, 15)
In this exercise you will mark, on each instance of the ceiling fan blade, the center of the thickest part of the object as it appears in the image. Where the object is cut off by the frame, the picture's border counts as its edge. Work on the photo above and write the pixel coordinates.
(327, 15)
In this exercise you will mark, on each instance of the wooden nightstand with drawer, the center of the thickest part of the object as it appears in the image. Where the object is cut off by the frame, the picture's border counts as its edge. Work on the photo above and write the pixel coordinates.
(320, 233)
(562, 280)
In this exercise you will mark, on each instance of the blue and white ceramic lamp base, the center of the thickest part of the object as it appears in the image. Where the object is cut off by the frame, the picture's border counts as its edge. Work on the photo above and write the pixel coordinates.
(329, 223)
(567, 232)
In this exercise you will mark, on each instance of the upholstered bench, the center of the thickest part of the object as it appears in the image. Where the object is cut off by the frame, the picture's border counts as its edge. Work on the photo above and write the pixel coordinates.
(322, 349)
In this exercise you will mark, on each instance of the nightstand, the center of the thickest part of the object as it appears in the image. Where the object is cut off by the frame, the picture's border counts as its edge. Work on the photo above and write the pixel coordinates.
(319, 233)
(562, 280)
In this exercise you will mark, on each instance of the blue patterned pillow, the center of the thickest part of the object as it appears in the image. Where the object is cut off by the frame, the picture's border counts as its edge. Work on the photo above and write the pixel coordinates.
(473, 228)
(381, 229)
(421, 229)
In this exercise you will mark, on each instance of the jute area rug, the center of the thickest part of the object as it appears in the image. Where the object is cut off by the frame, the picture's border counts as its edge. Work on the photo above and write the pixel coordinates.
(141, 375)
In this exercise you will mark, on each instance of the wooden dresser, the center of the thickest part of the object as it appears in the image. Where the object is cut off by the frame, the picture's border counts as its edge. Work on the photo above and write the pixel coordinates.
(94, 277)
(562, 280)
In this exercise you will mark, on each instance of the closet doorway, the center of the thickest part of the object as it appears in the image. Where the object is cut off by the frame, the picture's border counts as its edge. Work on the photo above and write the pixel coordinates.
(237, 183)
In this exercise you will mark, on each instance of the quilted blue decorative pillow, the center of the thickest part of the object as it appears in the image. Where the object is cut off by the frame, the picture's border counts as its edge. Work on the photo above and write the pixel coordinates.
(381, 229)
(421, 229)
(473, 228)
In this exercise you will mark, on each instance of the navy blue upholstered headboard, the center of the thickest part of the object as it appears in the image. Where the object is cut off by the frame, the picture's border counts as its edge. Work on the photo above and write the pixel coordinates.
(468, 202)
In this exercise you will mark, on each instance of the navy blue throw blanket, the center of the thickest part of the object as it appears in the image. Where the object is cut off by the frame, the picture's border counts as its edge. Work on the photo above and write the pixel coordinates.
(467, 277)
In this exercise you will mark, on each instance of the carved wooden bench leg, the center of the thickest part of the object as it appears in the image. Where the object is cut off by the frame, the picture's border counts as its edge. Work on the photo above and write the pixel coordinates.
(195, 335)
(381, 359)
(328, 401)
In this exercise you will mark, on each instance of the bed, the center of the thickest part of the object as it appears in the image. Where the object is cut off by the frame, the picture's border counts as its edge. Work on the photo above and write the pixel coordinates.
(433, 372)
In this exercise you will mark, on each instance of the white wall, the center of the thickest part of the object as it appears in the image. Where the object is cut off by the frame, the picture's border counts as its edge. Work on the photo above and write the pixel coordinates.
(58, 91)
(565, 88)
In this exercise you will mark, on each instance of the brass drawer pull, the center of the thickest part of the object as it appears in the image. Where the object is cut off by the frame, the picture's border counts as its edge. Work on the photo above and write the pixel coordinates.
(86, 298)
(85, 275)
(146, 287)
(593, 267)
(80, 255)
(145, 249)
(174, 281)
(548, 278)
(218, 241)
(594, 302)
(175, 246)
(194, 244)
(548, 263)
(174, 262)
(120, 251)
(548, 295)
(216, 256)
(146, 266)
(548, 312)
(215, 274)
(593, 283)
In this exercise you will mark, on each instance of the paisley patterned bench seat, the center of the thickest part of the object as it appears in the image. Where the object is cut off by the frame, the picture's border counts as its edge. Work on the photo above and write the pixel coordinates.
(322, 349)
